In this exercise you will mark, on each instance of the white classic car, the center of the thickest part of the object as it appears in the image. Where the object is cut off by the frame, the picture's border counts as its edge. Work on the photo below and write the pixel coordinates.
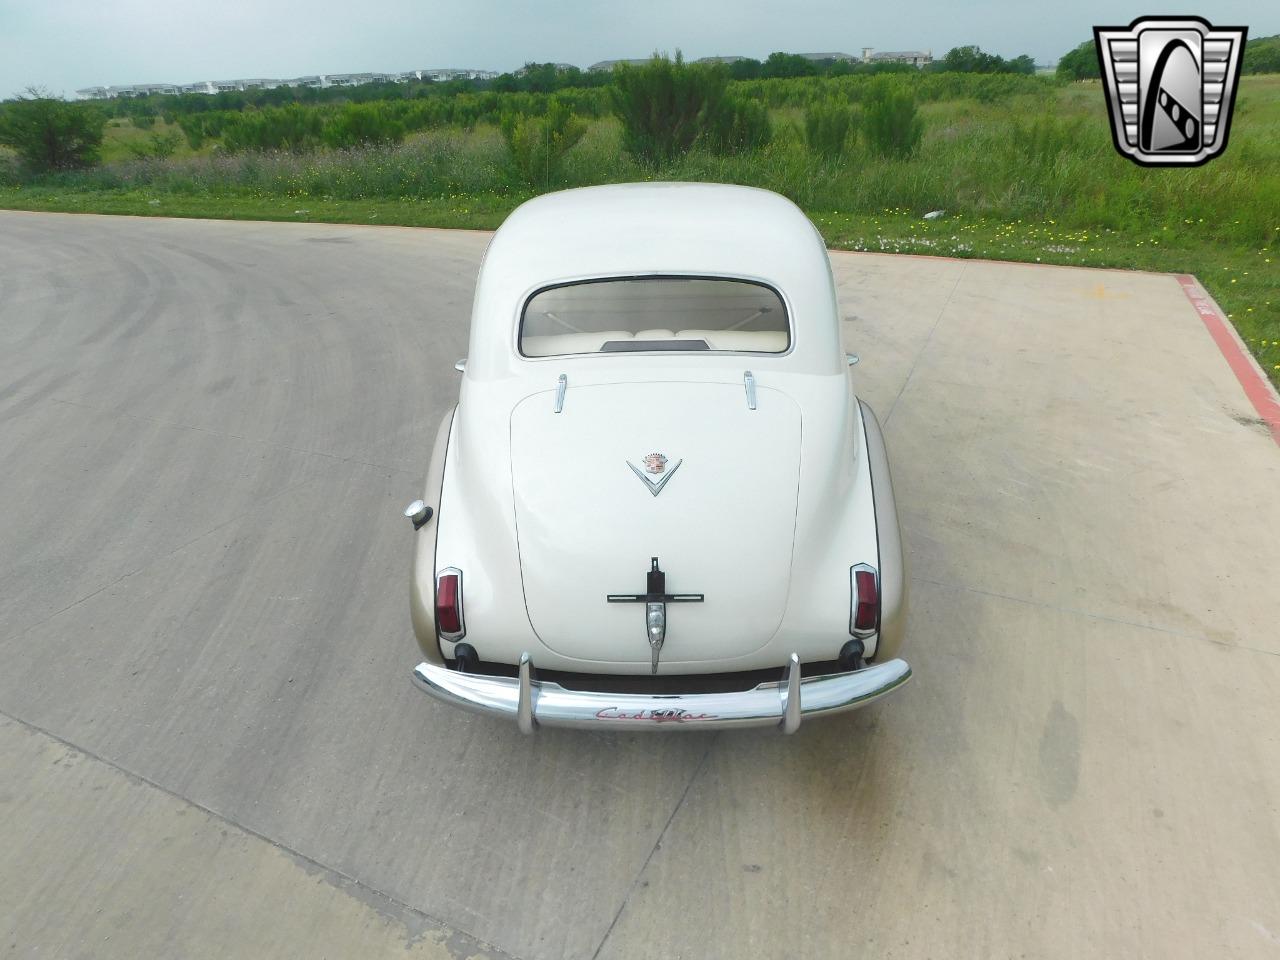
(657, 503)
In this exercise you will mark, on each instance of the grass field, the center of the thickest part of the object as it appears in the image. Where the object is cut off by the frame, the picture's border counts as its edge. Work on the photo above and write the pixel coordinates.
(1031, 177)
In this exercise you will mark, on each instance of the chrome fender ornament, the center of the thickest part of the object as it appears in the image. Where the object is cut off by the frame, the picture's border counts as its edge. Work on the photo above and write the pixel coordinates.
(655, 473)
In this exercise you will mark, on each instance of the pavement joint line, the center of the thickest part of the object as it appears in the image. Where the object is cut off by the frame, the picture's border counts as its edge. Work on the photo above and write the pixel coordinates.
(231, 436)
(1096, 616)
(986, 260)
(924, 346)
(154, 560)
(697, 772)
(249, 831)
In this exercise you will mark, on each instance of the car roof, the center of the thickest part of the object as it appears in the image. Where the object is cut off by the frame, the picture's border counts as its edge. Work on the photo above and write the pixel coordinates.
(654, 229)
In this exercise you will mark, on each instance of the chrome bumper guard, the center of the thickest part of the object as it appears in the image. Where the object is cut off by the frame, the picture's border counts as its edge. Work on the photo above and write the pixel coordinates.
(532, 703)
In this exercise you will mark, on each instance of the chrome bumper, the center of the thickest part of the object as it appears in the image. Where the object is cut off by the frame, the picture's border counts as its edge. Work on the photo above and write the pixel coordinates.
(533, 703)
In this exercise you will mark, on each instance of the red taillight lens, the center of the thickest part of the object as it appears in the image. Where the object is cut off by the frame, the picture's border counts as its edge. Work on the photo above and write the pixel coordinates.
(449, 604)
(866, 601)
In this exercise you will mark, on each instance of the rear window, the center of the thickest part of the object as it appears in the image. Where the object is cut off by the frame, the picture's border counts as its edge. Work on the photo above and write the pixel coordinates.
(644, 314)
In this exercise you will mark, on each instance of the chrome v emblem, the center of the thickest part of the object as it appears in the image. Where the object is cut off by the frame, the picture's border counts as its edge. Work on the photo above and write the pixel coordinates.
(662, 474)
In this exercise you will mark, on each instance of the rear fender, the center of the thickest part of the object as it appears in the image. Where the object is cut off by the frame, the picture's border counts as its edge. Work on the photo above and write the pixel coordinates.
(893, 574)
(422, 579)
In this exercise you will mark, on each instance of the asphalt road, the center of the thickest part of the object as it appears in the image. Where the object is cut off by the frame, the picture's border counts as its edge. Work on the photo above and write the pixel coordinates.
(209, 745)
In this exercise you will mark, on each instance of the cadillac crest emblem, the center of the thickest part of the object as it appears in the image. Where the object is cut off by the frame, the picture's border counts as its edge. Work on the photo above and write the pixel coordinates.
(655, 474)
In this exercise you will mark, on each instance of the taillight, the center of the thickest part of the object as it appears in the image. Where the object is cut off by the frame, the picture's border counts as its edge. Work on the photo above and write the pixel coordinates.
(864, 619)
(449, 620)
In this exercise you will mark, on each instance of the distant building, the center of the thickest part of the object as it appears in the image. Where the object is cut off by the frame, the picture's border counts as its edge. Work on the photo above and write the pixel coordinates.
(354, 79)
(724, 60)
(266, 83)
(136, 90)
(444, 74)
(917, 58)
(820, 57)
(258, 84)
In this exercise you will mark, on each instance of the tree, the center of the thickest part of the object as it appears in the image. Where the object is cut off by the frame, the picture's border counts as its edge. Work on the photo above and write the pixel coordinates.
(49, 133)
(1023, 64)
(1080, 63)
(1262, 55)
(665, 104)
(971, 59)
(788, 65)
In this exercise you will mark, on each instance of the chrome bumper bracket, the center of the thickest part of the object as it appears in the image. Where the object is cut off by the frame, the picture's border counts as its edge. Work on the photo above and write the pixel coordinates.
(524, 706)
(791, 696)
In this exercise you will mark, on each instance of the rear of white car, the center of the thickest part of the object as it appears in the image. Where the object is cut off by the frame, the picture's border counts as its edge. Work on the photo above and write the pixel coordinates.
(658, 502)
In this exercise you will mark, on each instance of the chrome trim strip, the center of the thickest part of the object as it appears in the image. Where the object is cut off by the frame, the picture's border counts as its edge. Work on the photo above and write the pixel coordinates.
(791, 697)
(767, 705)
(749, 381)
(561, 385)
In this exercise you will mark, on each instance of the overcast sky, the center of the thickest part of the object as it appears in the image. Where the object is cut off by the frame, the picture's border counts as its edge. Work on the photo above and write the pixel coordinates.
(63, 45)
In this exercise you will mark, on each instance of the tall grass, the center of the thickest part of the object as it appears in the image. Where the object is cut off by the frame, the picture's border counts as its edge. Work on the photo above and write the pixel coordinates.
(1040, 151)
(438, 163)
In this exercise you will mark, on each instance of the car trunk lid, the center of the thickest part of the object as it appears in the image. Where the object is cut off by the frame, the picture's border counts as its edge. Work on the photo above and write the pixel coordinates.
(721, 522)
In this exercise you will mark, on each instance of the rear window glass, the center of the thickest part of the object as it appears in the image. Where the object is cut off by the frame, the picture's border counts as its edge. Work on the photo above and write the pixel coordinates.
(643, 314)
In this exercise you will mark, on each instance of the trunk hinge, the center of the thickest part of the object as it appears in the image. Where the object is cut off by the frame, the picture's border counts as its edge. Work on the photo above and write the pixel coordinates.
(561, 385)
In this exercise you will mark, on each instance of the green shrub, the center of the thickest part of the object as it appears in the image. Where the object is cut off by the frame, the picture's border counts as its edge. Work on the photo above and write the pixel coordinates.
(664, 105)
(160, 146)
(192, 125)
(891, 124)
(362, 123)
(51, 134)
(826, 127)
(737, 125)
(293, 127)
(538, 144)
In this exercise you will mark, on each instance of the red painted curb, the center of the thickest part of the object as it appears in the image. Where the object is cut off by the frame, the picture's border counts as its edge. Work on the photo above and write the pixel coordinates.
(1255, 383)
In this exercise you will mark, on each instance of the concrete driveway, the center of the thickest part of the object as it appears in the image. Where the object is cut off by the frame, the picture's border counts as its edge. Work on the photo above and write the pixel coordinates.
(209, 745)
